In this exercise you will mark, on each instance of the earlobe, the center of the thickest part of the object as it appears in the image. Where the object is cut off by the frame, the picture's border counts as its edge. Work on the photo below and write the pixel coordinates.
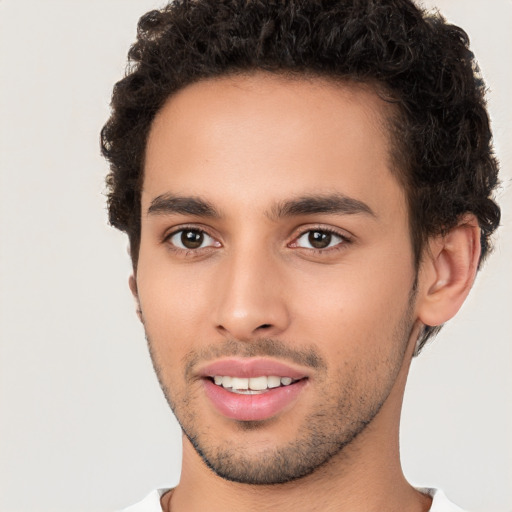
(448, 272)
(132, 283)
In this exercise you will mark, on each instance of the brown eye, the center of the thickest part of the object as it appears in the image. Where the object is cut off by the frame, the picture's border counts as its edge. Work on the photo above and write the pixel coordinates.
(319, 239)
(190, 239)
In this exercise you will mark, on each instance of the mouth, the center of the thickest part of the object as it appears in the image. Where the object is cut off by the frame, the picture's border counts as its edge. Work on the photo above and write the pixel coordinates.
(251, 385)
(252, 389)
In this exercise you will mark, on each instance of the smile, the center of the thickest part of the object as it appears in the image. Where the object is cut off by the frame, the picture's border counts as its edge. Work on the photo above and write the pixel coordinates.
(252, 385)
(252, 389)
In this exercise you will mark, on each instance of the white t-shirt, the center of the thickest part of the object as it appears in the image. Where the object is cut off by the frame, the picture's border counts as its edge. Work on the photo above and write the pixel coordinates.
(151, 503)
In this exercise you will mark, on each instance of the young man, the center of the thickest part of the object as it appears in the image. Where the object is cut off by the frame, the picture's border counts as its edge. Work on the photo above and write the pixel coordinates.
(307, 189)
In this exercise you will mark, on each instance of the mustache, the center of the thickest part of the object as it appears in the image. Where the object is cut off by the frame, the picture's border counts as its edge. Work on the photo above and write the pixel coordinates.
(262, 347)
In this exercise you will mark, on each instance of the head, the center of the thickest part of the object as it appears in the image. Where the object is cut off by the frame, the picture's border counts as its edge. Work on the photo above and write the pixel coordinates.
(439, 127)
(239, 125)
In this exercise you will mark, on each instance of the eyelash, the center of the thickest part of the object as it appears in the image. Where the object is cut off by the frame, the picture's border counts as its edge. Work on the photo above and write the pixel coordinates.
(344, 239)
(192, 252)
(184, 250)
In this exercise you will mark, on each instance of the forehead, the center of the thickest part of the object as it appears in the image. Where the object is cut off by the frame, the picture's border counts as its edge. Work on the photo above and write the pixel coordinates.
(256, 138)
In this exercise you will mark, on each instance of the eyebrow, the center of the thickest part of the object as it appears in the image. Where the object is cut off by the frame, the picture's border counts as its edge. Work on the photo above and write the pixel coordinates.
(168, 204)
(315, 204)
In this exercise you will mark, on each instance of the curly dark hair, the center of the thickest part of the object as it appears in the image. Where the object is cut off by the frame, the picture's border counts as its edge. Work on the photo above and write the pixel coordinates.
(441, 135)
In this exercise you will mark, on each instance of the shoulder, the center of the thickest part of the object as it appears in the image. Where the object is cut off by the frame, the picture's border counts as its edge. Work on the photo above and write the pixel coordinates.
(151, 503)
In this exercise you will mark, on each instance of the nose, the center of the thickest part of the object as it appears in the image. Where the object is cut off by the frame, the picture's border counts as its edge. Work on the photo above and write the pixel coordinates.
(251, 297)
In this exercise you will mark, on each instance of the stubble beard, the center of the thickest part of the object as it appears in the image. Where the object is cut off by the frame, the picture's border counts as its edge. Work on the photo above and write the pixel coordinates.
(346, 412)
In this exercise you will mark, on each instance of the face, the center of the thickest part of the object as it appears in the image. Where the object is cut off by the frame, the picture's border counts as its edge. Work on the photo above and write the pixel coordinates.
(275, 274)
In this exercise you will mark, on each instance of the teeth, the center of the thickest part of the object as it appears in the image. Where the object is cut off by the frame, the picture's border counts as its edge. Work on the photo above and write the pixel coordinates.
(251, 384)
(273, 382)
(239, 383)
(226, 382)
(258, 383)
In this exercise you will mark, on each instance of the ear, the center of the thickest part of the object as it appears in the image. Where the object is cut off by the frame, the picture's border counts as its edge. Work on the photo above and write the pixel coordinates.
(132, 283)
(448, 271)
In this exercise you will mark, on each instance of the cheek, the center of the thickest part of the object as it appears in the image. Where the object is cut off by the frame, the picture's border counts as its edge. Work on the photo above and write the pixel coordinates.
(173, 302)
(356, 307)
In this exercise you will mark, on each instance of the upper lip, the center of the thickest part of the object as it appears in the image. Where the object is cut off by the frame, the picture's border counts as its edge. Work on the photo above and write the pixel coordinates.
(250, 367)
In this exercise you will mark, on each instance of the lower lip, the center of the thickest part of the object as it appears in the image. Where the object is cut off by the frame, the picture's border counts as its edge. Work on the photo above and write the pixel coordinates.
(252, 407)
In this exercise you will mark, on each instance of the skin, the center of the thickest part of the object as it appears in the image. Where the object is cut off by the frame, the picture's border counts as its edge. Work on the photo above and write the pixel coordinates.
(246, 146)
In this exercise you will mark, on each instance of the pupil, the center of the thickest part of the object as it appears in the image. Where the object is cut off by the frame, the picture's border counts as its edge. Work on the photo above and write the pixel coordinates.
(192, 239)
(319, 239)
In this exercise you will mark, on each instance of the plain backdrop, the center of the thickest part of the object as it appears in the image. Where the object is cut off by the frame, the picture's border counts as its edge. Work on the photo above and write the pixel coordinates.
(83, 423)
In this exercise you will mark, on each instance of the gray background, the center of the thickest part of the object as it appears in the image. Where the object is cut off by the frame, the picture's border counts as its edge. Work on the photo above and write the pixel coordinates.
(83, 425)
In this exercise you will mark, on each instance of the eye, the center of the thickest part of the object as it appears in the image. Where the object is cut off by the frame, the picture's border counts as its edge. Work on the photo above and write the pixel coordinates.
(190, 239)
(319, 239)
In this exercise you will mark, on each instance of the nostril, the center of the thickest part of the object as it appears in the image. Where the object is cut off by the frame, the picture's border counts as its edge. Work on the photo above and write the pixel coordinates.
(264, 326)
